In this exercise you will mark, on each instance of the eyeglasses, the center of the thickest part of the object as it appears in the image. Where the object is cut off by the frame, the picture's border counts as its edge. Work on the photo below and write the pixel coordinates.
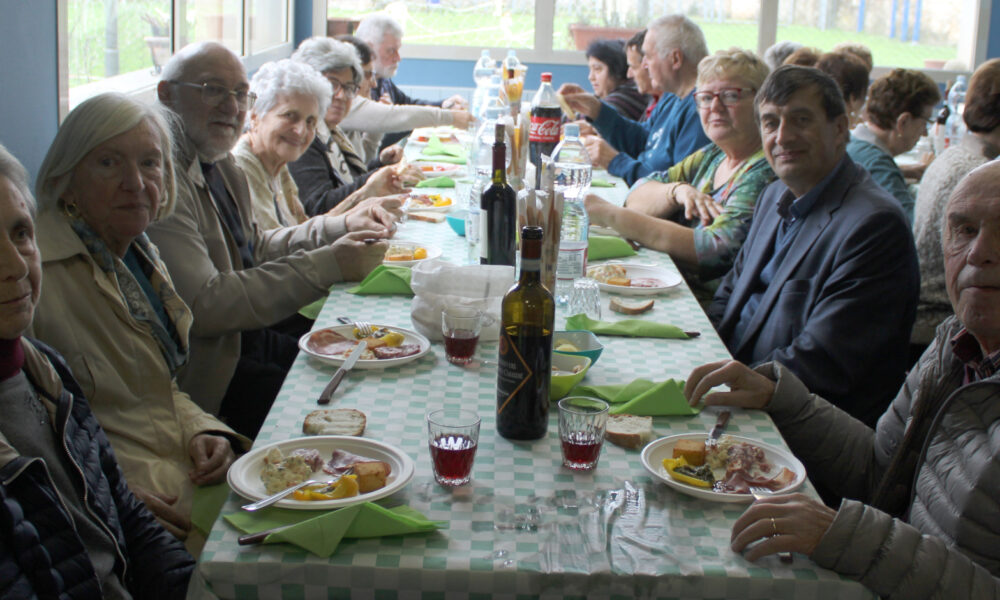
(214, 95)
(350, 90)
(728, 96)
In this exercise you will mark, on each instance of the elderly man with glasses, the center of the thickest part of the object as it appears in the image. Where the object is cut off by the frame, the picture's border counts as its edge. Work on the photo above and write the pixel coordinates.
(244, 285)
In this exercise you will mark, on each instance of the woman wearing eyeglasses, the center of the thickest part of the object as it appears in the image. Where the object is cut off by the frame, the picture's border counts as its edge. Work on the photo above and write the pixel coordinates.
(332, 176)
(699, 210)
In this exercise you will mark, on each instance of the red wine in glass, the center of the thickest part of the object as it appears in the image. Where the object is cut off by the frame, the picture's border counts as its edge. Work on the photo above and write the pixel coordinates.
(581, 450)
(460, 345)
(452, 456)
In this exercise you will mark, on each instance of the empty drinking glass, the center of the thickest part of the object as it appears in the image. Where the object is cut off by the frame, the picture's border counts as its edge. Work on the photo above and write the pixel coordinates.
(585, 297)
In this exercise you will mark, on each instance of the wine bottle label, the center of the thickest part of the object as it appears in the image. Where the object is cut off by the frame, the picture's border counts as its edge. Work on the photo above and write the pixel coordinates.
(524, 365)
(531, 264)
(484, 234)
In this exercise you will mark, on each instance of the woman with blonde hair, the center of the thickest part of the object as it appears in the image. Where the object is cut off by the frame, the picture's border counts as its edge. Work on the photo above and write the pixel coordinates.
(110, 307)
(699, 210)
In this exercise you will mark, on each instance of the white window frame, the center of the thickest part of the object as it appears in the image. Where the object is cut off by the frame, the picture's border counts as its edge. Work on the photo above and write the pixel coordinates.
(143, 84)
(972, 50)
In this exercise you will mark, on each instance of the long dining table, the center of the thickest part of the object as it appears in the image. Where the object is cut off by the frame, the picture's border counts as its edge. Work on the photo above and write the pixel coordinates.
(525, 526)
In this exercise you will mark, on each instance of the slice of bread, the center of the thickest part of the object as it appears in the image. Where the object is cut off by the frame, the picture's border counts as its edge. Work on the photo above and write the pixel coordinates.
(629, 431)
(430, 217)
(693, 451)
(630, 307)
(334, 421)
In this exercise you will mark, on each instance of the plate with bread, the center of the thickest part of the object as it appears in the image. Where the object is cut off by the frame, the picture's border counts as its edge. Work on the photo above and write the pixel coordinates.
(722, 472)
(633, 279)
(376, 469)
(388, 346)
(406, 254)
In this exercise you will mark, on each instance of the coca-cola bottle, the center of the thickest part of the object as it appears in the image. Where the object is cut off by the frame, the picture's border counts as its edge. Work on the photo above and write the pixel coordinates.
(546, 117)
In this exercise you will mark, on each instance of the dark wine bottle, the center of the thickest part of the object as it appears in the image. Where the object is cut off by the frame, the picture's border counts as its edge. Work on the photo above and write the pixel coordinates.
(527, 316)
(498, 211)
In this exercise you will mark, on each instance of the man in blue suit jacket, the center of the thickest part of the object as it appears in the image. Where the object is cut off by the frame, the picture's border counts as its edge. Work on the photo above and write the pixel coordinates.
(827, 281)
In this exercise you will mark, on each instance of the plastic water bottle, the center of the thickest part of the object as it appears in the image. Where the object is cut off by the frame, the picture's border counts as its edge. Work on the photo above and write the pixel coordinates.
(572, 172)
(482, 73)
(511, 61)
(956, 103)
(481, 160)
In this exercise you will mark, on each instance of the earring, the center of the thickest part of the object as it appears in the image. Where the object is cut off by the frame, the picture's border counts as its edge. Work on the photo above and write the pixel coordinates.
(71, 209)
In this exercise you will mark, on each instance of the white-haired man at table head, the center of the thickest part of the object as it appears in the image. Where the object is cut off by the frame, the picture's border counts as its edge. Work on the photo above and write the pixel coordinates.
(925, 484)
(385, 35)
(241, 282)
(672, 49)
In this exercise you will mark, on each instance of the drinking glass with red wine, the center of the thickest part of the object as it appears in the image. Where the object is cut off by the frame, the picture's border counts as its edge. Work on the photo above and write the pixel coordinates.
(582, 422)
(453, 436)
(460, 327)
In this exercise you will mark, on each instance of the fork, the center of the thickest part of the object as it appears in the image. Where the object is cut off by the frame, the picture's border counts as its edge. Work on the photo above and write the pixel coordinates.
(264, 502)
(364, 328)
(759, 492)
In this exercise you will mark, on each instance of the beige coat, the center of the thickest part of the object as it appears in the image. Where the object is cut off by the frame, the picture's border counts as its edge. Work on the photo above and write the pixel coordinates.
(118, 364)
(275, 200)
(295, 266)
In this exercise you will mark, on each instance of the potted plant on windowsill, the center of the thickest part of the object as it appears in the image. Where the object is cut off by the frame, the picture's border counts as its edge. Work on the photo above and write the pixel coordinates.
(597, 23)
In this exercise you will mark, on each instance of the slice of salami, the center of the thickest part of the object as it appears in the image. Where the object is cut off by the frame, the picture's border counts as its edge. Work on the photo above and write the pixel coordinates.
(647, 282)
(342, 460)
(384, 352)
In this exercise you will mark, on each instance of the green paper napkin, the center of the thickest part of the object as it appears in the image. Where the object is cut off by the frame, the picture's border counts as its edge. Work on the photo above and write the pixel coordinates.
(436, 148)
(626, 327)
(206, 505)
(385, 280)
(312, 310)
(607, 246)
(642, 397)
(604, 183)
(437, 182)
(321, 534)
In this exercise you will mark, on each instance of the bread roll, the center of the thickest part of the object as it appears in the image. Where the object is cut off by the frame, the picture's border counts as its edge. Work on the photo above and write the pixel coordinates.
(334, 421)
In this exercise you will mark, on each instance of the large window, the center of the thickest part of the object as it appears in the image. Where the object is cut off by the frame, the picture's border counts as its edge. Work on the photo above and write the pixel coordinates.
(908, 33)
(122, 44)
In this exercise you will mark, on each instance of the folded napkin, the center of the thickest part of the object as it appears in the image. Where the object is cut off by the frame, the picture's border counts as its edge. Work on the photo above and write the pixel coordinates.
(206, 505)
(601, 183)
(626, 327)
(642, 397)
(385, 280)
(321, 534)
(437, 182)
(607, 246)
(436, 148)
(312, 310)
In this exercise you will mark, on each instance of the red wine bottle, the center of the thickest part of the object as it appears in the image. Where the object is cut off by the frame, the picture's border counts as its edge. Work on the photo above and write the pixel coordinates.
(498, 211)
(527, 316)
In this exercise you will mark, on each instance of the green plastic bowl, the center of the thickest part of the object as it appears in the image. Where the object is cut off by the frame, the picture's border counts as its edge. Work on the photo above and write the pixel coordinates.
(560, 385)
(586, 342)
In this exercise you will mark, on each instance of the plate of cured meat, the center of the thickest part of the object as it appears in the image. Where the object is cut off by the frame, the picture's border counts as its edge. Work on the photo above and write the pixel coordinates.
(632, 279)
(726, 470)
(388, 346)
(263, 471)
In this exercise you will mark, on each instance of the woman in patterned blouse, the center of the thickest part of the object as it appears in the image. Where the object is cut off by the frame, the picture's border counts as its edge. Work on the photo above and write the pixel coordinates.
(699, 210)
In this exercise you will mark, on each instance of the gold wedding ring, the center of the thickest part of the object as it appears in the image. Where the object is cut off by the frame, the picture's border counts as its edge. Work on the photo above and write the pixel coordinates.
(774, 527)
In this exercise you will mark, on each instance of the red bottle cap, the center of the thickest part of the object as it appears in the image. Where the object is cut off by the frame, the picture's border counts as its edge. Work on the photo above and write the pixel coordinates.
(547, 77)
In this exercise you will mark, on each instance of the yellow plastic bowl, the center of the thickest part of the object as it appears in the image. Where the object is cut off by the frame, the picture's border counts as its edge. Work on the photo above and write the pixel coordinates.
(561, 384)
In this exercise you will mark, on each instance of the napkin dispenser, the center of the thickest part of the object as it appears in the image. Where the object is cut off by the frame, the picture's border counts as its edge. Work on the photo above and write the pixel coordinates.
(438, 284)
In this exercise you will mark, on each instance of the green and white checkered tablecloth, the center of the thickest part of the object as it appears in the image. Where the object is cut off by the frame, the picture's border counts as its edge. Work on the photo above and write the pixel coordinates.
(525, 527)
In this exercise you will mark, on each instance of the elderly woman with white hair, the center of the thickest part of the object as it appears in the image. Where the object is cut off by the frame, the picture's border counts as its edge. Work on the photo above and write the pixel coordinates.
(331, 175)
(699, 210)
(291, 101)
(110, 306)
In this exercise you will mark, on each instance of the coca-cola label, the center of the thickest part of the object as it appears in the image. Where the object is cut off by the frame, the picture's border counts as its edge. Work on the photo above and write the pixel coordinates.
(544, 129)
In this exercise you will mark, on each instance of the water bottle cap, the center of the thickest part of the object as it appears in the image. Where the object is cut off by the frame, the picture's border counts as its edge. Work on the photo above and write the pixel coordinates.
(510, 53)
(547, 77)
(571, 130)
(485, 53)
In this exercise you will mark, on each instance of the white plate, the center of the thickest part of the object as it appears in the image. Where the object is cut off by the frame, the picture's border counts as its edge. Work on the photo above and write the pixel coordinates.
(244, 474)
(411, 207)
(444, 169)
(409, 337)
(432, 253)
(444, 131)
(654, 453)
(668, 278)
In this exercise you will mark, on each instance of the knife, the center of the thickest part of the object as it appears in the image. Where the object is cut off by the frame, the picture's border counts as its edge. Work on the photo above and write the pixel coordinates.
(352, 358)
(720, 426)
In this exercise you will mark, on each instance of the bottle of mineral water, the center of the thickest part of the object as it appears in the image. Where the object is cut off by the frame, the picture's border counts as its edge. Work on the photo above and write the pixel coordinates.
(572, 172)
